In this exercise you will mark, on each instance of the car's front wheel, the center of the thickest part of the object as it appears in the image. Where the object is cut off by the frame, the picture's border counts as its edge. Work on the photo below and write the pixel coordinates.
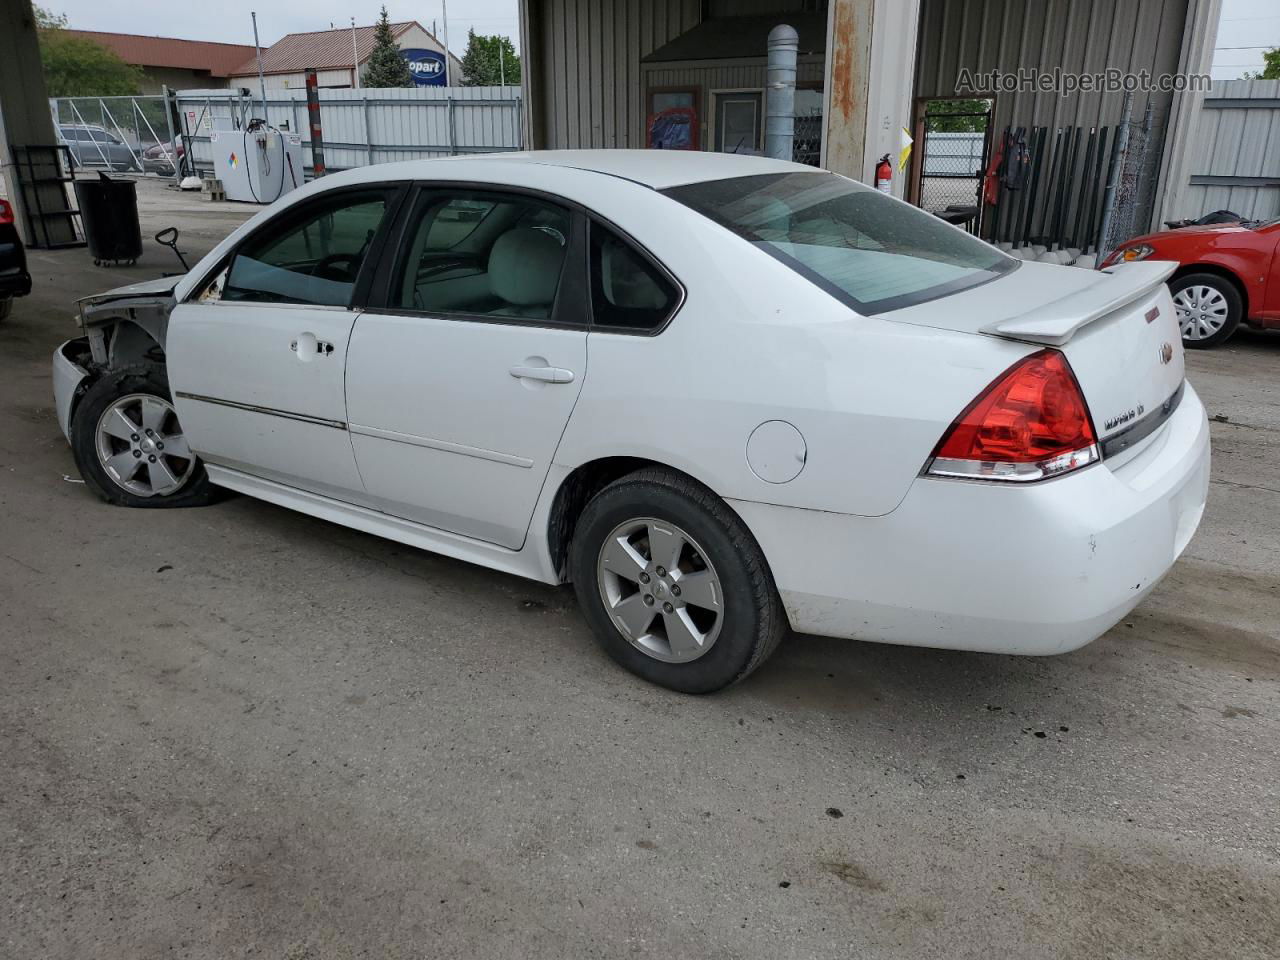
(129, 445)
(1209, 308)
(673, 584)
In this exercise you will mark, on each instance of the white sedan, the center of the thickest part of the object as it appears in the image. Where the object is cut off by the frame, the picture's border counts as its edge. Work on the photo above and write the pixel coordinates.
(723, 396)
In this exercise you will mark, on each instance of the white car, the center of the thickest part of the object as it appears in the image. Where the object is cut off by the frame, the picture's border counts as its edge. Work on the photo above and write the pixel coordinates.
(724, 396)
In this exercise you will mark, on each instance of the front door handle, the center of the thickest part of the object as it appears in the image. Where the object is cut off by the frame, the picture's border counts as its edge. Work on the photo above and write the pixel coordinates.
(544, 374)
(307, 344)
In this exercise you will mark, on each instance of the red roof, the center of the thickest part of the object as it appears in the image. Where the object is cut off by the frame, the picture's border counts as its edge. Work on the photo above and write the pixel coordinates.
(319, 50)
(220, 59)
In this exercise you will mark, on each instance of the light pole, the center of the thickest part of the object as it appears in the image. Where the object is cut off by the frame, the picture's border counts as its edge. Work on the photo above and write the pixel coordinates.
(262, 83)
(444, 14)
(355, 56)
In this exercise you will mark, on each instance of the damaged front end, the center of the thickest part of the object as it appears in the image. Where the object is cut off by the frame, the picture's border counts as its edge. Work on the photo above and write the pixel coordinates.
(123, 326)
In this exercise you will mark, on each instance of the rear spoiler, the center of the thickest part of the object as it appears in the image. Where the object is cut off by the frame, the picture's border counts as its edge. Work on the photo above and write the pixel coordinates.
(1116, 288)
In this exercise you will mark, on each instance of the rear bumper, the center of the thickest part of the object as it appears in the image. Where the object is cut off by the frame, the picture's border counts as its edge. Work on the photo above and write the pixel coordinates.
(966, 565)
(67, 377)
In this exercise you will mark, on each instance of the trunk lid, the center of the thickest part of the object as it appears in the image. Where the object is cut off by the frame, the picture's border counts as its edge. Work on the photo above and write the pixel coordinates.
(1117, 328)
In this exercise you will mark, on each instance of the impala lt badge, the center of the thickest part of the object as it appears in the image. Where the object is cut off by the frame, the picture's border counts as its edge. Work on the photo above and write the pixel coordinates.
(1166, 352)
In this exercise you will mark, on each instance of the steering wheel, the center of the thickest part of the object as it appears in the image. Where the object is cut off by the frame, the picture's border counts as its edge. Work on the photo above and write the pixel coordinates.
(325, 267)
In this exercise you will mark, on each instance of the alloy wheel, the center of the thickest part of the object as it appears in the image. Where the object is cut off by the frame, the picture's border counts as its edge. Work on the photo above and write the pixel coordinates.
(141, 447)
(660, 589)
(1202, 311)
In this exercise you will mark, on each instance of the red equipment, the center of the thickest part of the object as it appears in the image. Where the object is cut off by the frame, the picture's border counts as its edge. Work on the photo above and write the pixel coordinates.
(884, 175)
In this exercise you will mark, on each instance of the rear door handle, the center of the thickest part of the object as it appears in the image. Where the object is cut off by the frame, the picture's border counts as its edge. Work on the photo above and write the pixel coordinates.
(545, 374)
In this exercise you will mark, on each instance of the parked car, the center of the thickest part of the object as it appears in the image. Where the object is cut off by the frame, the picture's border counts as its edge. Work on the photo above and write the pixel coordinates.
(15, 281)
(159, 158)
(721, 395)
(96, 147)
(1228, 274)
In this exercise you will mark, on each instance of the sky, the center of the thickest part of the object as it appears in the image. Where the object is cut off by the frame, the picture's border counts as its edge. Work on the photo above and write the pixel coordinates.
(1247, 29)
(229, 21)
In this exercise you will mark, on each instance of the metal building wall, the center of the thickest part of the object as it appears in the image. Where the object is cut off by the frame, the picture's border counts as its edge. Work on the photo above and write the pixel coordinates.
(584, 65)
(724, 74)
(1076, 36)
(1080, 36)
(1235, 160)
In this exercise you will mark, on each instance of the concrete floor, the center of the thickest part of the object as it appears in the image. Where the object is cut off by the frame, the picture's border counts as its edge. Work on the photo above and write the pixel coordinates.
(238, 732)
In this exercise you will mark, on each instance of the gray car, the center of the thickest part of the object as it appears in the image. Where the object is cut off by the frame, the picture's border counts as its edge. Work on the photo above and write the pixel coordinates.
(94, 146)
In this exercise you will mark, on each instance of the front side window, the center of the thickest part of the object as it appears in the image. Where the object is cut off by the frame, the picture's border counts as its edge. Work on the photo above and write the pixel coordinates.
(313, 257)
(627, 291)
(483, 254)
(866, 249)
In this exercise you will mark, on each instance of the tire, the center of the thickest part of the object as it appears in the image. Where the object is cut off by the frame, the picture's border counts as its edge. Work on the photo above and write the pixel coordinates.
(738, 636)
(6, 306)
(1209, 308)
(91, 443)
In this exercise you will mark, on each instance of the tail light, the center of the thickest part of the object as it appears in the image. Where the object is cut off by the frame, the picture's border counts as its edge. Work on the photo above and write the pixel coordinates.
(6, 212)
(1031, 423)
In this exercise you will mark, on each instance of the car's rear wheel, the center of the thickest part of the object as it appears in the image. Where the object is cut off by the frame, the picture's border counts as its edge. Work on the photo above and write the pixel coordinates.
(1209, 309)
(673, 584)
(129, 445)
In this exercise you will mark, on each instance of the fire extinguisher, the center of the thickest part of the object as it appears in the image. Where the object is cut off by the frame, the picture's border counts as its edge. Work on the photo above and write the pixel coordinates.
(884, 175)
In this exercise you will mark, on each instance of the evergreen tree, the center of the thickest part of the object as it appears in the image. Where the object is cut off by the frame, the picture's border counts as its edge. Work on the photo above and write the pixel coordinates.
(489, 59)
(386, 68)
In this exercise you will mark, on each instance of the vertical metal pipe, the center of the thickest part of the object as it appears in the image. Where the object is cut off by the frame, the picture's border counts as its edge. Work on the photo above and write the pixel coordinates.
(169, 106)
(262, 83)
(780, 92)
(448, 78)
(1113, 176)
(355, 56)
(313, 120)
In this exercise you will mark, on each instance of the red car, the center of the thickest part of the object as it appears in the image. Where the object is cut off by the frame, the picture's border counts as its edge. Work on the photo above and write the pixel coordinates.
(1228, 273)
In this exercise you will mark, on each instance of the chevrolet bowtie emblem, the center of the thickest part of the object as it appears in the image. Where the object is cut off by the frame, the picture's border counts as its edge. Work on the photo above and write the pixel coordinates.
(1166, 352)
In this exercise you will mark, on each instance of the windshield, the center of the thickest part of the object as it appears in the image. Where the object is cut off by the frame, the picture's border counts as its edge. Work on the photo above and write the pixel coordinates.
(866, 249)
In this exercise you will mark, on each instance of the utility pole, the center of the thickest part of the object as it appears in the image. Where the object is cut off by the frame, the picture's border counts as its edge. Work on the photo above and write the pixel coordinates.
(262, 83)
(502, 59)
(355, 56)
(444, 15)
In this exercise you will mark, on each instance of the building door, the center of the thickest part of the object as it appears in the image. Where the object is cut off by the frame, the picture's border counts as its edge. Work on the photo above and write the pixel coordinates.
(953, 139)
(738, 121)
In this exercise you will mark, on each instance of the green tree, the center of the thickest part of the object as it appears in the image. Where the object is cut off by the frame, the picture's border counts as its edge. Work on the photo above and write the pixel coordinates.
(490, 59)
(386, 67)
(968, 121)
(1271, 66)
(78, 67)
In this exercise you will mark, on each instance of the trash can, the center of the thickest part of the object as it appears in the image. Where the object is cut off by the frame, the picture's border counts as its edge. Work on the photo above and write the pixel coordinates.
(109, 213)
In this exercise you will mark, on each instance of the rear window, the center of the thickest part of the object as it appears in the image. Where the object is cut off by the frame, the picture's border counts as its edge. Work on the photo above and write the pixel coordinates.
(865, 248)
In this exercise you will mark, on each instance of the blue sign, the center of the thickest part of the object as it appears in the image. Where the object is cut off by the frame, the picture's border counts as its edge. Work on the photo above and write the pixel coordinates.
(427, 66)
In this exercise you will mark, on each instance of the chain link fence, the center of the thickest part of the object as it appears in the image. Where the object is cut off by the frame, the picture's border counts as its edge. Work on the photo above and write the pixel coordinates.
(1130, 190)
(807, 143)
(120, 134)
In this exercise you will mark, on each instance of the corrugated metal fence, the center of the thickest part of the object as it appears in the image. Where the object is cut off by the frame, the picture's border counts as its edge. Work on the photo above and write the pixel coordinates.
(367, 126)
(1237, 151)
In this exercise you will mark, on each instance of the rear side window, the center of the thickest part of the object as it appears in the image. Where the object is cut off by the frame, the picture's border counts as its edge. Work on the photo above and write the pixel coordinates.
(627, 290)
(864, 248)
(483, 254)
